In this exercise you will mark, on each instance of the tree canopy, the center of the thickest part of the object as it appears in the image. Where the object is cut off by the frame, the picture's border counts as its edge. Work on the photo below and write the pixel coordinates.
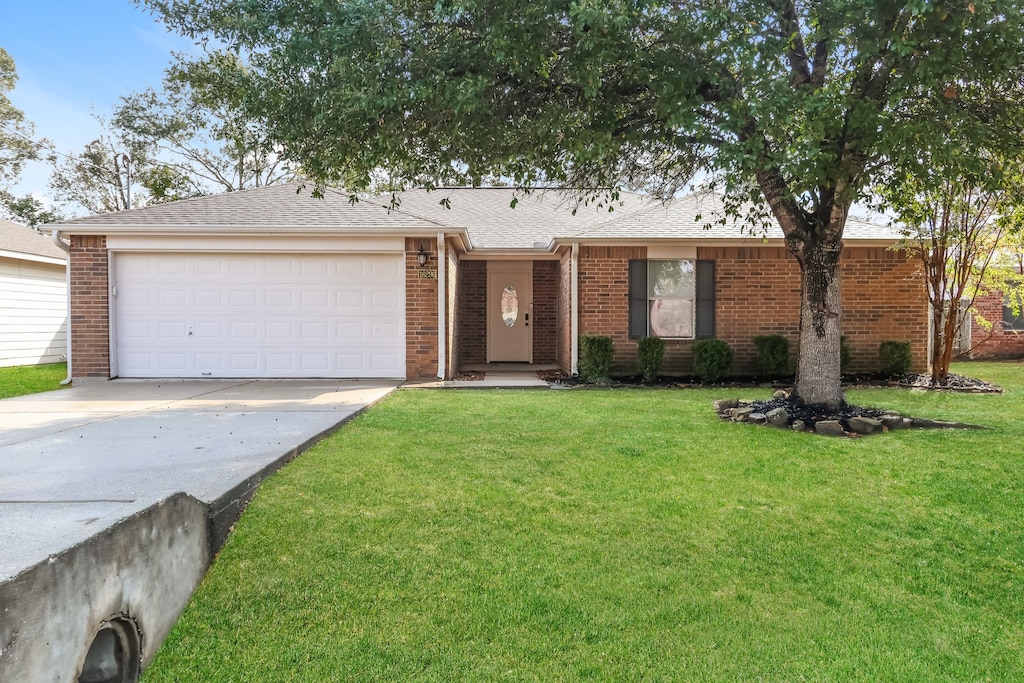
(797, 106)
(17, 146)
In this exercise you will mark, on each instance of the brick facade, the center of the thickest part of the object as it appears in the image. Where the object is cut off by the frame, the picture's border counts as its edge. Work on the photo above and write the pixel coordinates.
(883, 299)
(472, 316)
(471, 330)
(604, 302)
(90, 311)
(545, 311)
(420, 313)
(757, 292)
(994, 342)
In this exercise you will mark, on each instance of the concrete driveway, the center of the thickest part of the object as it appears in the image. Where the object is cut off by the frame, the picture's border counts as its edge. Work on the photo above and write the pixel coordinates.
(75, 462)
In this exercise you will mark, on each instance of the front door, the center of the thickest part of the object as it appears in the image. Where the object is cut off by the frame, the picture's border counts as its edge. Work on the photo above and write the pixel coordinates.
(509, 308)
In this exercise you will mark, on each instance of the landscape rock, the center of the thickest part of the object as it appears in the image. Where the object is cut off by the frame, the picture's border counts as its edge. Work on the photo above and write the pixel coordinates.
(741, 414)
(759, 418)
(777, 417)
(798, 425)
(893, 421)
(725, 404)
(865, 425)
(779, 393)
(829, 428)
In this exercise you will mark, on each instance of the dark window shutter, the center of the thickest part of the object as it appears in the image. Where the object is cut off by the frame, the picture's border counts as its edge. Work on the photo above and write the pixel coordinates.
(705, 300)
(637, 298)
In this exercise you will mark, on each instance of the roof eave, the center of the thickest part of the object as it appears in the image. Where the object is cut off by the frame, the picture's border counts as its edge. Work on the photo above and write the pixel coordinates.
(708, 241)
(36, 258)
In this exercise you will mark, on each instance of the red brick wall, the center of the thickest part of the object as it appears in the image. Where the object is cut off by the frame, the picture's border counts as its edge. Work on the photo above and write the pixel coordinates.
(563, 352)
(420, 313)
(472, 318)
(884, 299)
(604, 299)
(993, 342)
(757, 293)
(545, 311)
(90, 312)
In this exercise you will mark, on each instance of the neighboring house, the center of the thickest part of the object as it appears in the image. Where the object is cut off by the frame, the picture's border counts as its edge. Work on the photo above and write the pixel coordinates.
(1002, 338)
(33, 297)
(273, 283)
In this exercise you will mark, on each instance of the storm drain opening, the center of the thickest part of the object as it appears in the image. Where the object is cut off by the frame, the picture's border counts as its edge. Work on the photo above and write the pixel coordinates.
(113, 656)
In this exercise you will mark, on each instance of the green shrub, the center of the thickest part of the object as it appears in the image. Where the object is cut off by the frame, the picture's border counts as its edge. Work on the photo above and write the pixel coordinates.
(845, 355)
(595, 358)
(650, 352)
(711, 359)
(772, 355)
(894, 357)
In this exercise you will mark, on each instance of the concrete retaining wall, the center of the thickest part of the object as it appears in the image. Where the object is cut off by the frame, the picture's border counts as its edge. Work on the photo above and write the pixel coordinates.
(144, 568)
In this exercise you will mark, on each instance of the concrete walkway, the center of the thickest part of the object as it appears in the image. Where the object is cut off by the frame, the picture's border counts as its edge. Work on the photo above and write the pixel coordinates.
(75, 462)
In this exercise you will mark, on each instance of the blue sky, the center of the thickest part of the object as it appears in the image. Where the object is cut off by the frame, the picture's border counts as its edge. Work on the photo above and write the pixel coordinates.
(77, 57)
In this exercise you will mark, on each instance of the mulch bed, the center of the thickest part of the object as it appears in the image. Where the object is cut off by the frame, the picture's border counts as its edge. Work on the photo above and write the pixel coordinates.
(953, 382)
(800, 415)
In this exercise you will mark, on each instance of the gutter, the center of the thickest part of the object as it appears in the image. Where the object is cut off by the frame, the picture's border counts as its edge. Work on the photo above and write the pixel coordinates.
(55, 234)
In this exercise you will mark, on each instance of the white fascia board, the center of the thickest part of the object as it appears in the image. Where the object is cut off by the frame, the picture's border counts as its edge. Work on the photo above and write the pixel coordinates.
(717, 242)
(256, 243)
(36, 258)
(510, 255)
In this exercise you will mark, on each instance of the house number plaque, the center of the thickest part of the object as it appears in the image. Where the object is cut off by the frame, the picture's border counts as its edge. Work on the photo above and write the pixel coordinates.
(428, 274)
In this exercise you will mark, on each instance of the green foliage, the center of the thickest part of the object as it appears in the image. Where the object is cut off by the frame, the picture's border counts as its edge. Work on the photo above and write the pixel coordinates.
(26, 210)
(894, 357)
(17, 145)
(197, 124)
(96, 178)
(712, 359)
(596, 354)
(772, 355)
(650, 353)
(845, 355)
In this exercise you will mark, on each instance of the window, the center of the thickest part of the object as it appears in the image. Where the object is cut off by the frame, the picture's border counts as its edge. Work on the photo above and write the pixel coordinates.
(1013, 322)
(672, 298)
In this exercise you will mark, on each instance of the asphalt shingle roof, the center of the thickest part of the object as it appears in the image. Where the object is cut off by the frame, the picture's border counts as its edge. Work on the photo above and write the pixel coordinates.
(286, 206)
(492, 223)
(697, 216)
(22, 240)
(484, 213)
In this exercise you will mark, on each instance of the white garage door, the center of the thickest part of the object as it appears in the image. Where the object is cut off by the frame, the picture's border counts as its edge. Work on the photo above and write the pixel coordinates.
(259, 315)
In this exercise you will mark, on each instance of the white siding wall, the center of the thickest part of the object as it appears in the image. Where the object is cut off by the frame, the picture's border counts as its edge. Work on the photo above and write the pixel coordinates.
(33, 313)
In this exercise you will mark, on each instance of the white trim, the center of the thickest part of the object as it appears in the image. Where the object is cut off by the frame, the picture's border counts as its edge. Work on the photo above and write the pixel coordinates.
(442, 304)
(669, 253)
(268, 243)
(36, 258)
(509, 255)
(112, 313)
(574, 322)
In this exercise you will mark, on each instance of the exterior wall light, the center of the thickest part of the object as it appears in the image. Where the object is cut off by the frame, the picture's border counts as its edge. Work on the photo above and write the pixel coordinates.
(421, 258)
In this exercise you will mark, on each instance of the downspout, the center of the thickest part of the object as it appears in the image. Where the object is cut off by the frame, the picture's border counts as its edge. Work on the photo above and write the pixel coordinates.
(442, 306)
(67, 276)
(574, 309)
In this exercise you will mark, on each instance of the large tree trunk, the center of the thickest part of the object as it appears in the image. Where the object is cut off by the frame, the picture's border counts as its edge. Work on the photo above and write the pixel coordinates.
(818, 374)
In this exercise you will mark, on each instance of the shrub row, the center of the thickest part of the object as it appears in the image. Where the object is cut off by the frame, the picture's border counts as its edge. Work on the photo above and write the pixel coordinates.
(712, 358)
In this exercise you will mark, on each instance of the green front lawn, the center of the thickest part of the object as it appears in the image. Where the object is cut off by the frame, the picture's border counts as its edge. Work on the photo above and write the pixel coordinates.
(31, 379)
(624, 535)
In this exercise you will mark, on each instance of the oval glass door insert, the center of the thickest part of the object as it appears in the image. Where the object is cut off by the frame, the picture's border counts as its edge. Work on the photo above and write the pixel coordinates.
(509, 305)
